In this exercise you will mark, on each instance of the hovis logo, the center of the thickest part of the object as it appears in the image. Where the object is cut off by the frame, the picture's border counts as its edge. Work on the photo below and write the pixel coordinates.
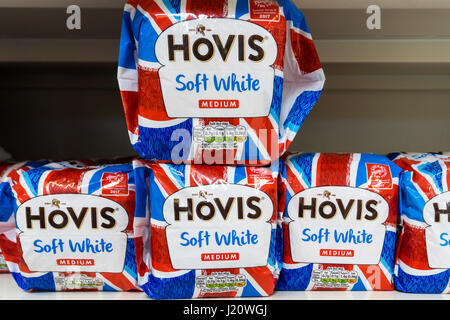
(336, 224)
(204, 205)
(87, 231)
(69, 213)
(436, 214)
(216, 68)
(218, 226)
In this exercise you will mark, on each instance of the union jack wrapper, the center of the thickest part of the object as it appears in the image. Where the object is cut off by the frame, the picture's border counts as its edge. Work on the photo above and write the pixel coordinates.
(423, 259)
(216, 81)
(70, 227)
(206, 231)
(339, 225)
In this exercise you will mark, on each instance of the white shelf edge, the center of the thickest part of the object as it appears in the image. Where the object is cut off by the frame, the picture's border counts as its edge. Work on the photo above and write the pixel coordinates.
(304, 4)
(59, 50)
(10, 291)
(384, 51)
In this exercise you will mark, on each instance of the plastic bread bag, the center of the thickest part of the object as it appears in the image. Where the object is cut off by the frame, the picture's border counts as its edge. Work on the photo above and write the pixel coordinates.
(74, 228)
(206, 231)
(216, 81)
(423, 261)
(7, 203)
(339, 226)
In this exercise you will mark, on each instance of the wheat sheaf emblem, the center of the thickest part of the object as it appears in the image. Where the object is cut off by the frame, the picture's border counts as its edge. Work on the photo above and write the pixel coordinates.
(326, 194)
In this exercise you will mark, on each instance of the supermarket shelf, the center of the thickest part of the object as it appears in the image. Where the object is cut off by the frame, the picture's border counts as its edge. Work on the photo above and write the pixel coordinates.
(420, 4)
(416, 31)
(10, 291)
(341, 36)
(61, 3)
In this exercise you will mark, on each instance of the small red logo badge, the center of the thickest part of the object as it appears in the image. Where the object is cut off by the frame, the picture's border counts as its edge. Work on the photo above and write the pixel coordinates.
(115, 184)
(379, 176)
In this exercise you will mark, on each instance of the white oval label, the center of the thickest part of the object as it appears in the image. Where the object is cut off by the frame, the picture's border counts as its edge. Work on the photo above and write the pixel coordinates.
(337, 224)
